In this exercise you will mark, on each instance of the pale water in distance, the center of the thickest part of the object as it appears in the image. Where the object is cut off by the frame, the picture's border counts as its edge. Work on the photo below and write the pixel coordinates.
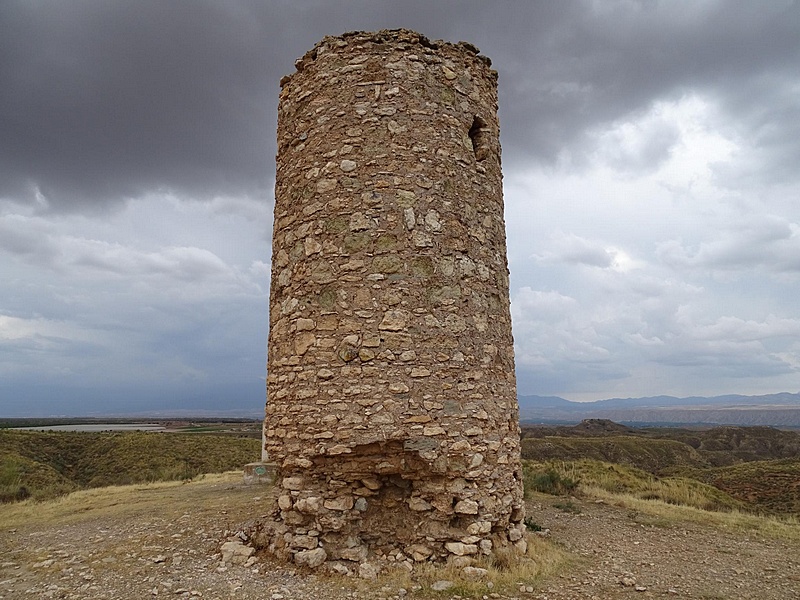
(98, 427)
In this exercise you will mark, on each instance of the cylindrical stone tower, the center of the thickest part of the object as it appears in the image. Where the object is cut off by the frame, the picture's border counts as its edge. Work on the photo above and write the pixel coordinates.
(392, 411)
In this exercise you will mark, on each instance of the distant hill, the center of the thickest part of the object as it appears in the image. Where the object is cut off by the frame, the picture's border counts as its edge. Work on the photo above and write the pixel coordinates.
(756, 466)
(42, 465)
(777, 410)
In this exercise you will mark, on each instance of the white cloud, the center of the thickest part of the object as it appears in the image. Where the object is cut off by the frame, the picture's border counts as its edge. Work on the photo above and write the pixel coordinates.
(27, 238)
(574, 250)
(791, 356)
(643, 260)
(115, 294)
(15, 328)
(639, 145)
(735, 329)
(180, 265)
(766, 242)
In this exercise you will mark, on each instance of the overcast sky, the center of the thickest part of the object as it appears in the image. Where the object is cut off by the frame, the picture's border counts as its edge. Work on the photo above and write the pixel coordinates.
(651, 154)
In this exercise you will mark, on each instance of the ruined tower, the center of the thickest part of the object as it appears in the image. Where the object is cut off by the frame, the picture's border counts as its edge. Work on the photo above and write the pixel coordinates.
(392, 411)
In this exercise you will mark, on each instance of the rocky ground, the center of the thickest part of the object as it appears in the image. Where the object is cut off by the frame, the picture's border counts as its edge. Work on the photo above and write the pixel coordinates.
(626, 554)
(164, 541)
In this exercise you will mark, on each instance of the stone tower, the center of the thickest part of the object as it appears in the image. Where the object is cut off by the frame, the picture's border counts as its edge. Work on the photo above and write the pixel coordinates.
(392, 411)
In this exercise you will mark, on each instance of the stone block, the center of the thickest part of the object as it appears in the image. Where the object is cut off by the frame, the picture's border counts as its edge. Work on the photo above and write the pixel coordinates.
(310, 558)
(259, 473)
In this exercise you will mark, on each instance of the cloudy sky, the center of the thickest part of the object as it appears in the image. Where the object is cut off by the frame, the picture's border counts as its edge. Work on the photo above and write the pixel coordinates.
(651, 153)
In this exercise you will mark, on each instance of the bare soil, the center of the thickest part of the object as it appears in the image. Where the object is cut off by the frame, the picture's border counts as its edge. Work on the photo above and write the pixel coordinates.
(164, 540)
(624, 553)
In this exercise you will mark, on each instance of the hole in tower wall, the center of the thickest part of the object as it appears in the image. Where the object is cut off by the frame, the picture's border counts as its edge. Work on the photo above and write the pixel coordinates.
(478, 133)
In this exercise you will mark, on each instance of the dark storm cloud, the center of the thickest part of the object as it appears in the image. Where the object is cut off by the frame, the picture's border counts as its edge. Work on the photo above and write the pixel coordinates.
(103, 101)
(597, 62)
(106, 100)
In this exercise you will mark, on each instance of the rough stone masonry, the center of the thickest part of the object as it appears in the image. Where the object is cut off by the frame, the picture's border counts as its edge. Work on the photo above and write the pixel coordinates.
(392, 411)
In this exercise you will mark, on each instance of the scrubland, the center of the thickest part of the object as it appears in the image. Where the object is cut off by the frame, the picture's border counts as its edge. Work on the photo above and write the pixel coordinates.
(662, 520)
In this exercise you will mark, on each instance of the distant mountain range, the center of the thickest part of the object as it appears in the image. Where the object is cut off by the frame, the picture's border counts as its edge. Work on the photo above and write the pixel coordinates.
(778, 410)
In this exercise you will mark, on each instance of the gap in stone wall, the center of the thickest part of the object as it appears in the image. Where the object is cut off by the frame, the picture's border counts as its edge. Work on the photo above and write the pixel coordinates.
(480, 143)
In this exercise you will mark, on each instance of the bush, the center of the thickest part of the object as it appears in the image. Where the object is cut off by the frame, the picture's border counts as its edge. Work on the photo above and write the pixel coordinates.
(531, 525)
(568, 507)
(548, 482)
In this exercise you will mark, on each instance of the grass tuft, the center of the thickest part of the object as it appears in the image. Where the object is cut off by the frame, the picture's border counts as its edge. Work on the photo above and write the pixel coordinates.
(620, 479)
(531, 525)
(568, 507)
(547, 480)
(665, 514)
(506, 571)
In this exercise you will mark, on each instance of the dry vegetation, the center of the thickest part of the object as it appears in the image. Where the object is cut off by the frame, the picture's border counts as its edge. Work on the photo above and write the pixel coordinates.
(669, 499)
(157, 515)
(43, 465)
(221, 502)
(750, 469)
(165, 516)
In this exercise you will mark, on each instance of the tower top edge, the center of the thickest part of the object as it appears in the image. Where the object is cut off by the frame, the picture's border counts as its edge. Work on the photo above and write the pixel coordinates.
(389, 36)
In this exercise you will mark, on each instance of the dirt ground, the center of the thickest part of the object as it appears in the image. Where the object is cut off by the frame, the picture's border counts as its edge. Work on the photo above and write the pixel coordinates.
(625, 553)
(164, 541)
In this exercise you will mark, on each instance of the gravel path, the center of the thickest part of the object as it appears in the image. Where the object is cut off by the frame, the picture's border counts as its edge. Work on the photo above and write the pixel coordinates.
(165, 541)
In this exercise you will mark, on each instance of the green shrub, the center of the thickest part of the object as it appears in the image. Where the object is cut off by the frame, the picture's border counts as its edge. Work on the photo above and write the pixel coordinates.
(621, 479)
(568, 507)
(531, 525)
(549, 481)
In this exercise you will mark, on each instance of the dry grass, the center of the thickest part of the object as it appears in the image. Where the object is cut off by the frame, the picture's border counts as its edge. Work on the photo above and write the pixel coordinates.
(505, 573)
(226, 499)
(787, 528)
(221, 491)
(620, 479)
(44, 465)
(645, 453)
(665, 500)
(223, 499)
